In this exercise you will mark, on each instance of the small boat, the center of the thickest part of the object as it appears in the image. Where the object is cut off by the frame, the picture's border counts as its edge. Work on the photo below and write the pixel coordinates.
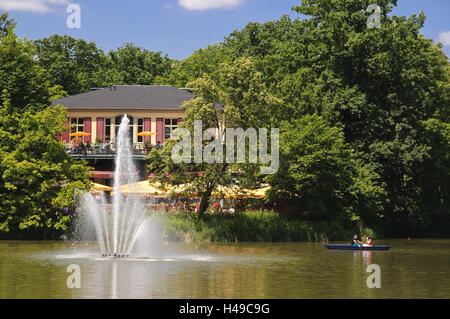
(349, 247)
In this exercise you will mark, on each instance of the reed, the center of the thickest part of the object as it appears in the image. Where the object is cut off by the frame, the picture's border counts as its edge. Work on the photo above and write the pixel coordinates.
(259, 226)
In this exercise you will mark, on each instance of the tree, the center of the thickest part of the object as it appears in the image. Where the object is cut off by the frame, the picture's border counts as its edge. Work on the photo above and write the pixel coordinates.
(321, 174)
(238, 98)
(78, 66)
(202, 61)
(57, 92)
(381, 85)
(6, 24)
(20, 74)
(131, 65)
(38, 177)
(434, 178)
(74, 64)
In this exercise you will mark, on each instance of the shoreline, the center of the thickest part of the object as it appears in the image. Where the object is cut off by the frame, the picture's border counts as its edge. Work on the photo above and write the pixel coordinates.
(246, 226)
(249, 226)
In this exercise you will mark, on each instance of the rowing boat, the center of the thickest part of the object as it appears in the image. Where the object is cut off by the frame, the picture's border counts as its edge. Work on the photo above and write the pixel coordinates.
(349, 247)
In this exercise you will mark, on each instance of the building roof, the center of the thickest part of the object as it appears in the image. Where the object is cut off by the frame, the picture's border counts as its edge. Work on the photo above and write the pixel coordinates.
(128, 97)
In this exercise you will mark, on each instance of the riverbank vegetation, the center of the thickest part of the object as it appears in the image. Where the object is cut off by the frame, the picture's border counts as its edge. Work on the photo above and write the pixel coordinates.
(252, 226)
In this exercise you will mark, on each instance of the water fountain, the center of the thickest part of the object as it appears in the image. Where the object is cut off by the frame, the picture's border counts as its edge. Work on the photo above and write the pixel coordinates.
(117, 227)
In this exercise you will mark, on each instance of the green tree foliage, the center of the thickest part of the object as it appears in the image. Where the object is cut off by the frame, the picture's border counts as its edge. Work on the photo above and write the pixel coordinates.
(130, 65)
(434, 176)
(364, 111)
(57, 92)
(78, 66)
(202, 61)
(322, 175)
(392, 79)
(6, 24)
(240, 98)
(37, 176)
(384, 86)
(21, 75)
(74, 64)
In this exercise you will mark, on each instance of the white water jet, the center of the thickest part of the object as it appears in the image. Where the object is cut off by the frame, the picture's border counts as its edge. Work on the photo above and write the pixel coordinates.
(149, 241)
(118, 228)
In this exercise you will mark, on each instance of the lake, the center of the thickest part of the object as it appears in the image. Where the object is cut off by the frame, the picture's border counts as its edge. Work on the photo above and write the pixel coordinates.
(411, 269)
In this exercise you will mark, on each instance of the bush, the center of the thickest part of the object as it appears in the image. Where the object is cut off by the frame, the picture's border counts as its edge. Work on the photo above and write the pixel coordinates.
(258, 226)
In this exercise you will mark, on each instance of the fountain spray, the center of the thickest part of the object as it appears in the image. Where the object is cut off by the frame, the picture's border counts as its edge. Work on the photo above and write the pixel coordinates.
(118, 229)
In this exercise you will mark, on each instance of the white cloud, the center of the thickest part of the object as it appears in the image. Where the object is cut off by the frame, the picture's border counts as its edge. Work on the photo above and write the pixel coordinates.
(444, 38)
(209, 4)
(38, 6)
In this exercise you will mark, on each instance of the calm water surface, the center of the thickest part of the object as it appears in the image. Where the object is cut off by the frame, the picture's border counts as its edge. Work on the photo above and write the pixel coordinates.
(411, 269)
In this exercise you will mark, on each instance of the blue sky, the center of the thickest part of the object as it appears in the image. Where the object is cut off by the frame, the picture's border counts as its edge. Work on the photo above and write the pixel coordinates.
(178, 27)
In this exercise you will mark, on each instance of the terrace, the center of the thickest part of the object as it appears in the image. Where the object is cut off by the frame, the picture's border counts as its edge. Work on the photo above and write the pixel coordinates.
(106, 151)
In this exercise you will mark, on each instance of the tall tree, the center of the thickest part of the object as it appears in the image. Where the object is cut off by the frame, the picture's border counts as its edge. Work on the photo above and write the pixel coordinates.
(238, 98)
(74, 64)
(37, 176)
(202, 61)
(382, 85)
(134, 65)
(6, 24)
(21, 75)
(322, 176)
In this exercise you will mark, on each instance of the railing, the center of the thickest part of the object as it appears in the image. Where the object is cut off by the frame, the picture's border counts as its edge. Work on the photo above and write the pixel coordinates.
(106, 149)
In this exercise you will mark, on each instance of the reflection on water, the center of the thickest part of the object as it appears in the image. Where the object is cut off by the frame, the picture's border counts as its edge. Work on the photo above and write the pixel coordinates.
(411, 269)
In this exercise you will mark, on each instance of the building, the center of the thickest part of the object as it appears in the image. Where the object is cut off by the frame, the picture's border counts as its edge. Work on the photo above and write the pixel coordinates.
(151, 108)
(98, 113)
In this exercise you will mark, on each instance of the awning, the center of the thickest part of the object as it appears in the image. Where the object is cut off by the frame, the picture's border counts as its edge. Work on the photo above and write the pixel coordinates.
(100, 187)
(237, 192)
(110, 174)
(78, 134)
(142, 189)
(146, 134)
(102, 174)
(96, 188)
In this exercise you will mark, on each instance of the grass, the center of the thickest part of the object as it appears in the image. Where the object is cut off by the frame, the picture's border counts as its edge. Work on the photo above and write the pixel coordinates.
(260, 226)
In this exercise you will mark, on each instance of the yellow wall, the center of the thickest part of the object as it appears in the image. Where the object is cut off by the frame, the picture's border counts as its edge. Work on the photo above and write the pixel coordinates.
(153, 114)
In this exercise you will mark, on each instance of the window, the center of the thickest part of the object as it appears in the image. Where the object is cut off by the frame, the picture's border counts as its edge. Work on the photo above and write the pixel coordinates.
(140, 129)
(169, 126)
(107, 129)
(76, 124)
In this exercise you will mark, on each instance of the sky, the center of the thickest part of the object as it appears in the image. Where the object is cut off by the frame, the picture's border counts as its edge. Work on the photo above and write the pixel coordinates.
(179, 27)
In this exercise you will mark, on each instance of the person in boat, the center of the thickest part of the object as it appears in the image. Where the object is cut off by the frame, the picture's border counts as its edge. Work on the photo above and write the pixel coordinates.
(368, 242)
(354, 242)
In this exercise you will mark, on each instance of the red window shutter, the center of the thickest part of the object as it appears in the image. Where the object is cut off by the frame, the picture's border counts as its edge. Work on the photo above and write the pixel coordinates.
(160, 130)
(101, 128)
(65, 135)
(147, 128)
(87, 129)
